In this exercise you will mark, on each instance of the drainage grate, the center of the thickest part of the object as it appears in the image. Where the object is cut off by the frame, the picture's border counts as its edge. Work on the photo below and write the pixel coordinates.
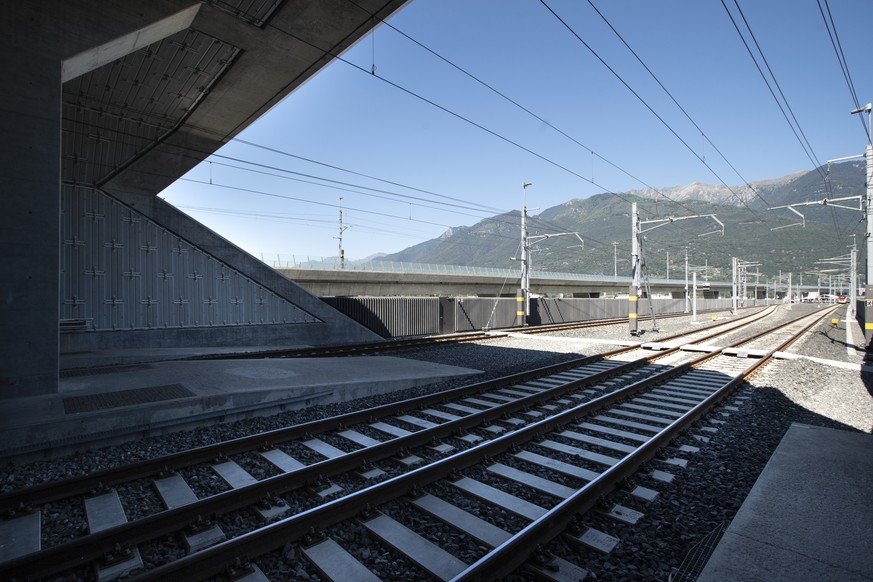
(92, 402)
(103, 370)
(697, 558)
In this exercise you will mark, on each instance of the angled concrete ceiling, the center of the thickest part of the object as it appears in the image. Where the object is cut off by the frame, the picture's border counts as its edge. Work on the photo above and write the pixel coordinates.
(144, 108)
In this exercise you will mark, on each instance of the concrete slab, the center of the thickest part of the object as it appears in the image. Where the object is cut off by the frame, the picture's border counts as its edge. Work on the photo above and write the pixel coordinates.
(807, 517)
(625, 514)
(560, 570)
(20, 536)
(233, 474)
(500, 498)
(557, 465)
(598, 540)
(282, 460)
(472, 525)
(219, 388)
(104, 511)
(335, 563)
(439, 563)
(744, 352)
(532, 481)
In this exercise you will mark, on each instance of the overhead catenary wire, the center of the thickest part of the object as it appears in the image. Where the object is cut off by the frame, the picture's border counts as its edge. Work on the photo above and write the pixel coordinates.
(392, 183)
(296, 199)
(641, 99)
(795, 127)
(543, 121)
(339, 185)
(508, 99)
(330, 224)
(449, 111)
(645, 103)
(681, 108)
(528, 111)
(798, 132)
(705, 138)
(590, 239)
(592, 181)
(841, 57)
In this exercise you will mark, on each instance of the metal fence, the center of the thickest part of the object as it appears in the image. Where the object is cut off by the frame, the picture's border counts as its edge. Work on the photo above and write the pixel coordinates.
(412, 316)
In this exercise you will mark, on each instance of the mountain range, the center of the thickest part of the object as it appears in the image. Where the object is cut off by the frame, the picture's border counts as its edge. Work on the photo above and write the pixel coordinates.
(603, 221)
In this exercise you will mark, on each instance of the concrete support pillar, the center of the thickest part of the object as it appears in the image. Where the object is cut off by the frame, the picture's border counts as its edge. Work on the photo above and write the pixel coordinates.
(37, 41)
(30, 114)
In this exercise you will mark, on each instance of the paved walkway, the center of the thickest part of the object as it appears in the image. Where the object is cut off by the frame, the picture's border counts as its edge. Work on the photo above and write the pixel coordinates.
(809, 516)
(149, 393)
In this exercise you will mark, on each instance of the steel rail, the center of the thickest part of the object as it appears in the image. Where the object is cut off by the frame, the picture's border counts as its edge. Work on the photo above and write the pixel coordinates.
(424, 341)
(514, 552)
(548, 327)
(54, 490)
(356, 349)
(81, 550)
(84, 549)
(210, 561)
(21, 500)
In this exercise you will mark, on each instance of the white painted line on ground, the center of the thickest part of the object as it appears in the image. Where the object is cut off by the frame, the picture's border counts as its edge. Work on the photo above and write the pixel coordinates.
(583, 340)
(834, 363)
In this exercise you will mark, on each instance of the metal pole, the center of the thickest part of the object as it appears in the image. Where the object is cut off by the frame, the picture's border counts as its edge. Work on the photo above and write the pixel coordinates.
(789, 290)
(525, 258)
(853, 283)
(687, 306)
(342, 256)
(757, 274)
(634, 291)
(734, 286)
(694, 299)
(868, 211)
(868, 290)
(615, 260)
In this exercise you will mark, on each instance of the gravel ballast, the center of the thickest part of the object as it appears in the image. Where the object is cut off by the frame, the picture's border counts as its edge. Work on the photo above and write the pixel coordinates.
(703, 497)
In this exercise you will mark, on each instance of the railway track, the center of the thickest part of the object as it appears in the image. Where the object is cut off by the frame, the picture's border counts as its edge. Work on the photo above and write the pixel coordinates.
(417, 342)
(328, 474)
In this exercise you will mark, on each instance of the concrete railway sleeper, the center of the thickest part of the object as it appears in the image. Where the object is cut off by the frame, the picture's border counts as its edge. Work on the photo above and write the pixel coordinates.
(480, 475)
(53, 491)
(529, 403)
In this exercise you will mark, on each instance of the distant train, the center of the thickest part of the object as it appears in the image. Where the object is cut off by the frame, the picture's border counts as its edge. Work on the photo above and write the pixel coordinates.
(835, 298)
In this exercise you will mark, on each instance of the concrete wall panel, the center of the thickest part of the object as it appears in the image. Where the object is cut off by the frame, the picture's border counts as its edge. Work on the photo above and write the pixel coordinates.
(122, 271)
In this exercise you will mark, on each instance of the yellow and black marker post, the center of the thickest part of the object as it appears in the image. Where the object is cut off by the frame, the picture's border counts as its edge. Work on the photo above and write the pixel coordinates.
(632, 313)
(520, 316)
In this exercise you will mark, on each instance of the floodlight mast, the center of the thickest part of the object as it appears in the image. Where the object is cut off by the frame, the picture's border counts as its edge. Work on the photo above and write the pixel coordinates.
(637, 229)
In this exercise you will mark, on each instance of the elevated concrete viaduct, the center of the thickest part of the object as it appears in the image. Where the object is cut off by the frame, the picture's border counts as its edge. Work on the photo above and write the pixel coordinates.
(386, 284)
(103, 104)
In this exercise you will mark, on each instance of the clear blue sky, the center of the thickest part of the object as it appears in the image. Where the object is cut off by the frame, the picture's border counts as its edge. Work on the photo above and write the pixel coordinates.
(446, 168)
